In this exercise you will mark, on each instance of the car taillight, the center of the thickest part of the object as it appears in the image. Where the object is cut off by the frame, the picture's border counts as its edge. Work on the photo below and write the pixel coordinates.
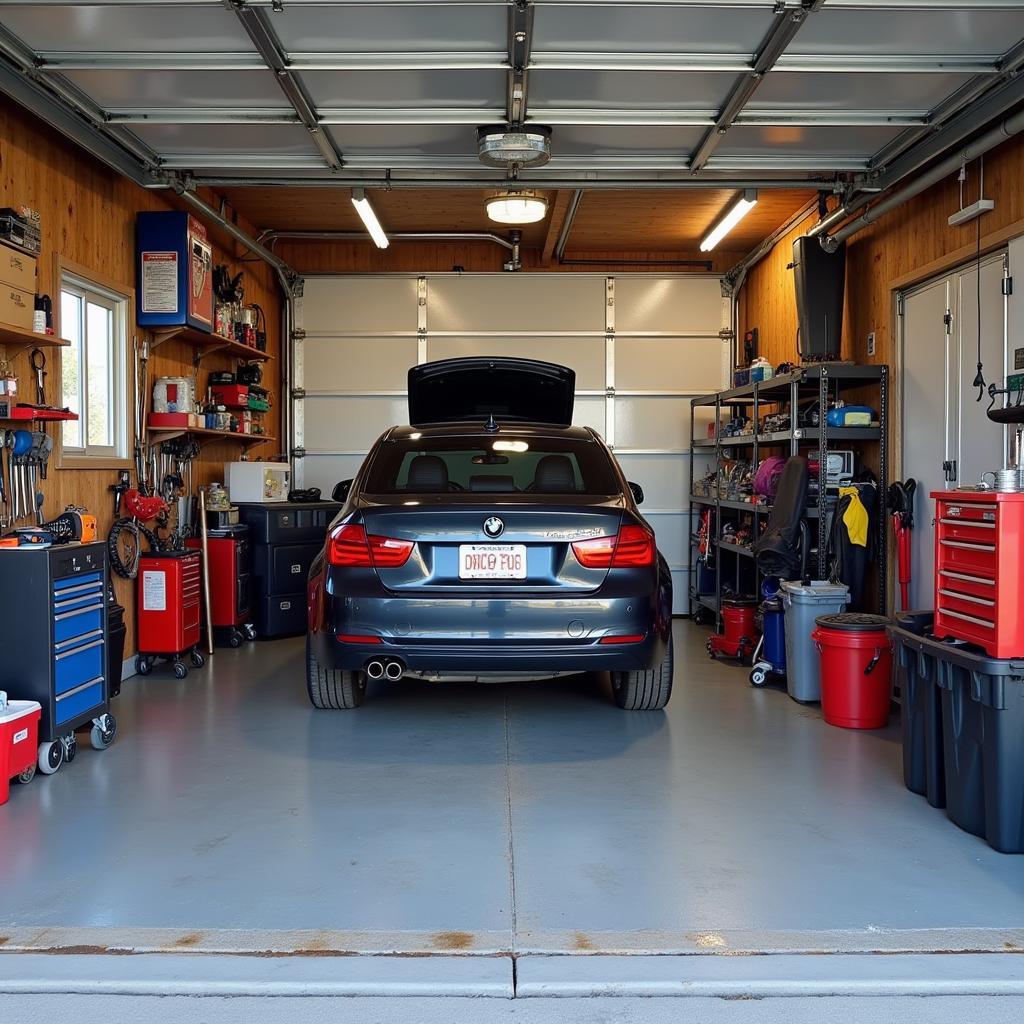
(352, 547)
(633, 547)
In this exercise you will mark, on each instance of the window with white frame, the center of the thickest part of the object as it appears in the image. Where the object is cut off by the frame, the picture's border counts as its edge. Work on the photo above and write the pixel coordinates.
(93, 374)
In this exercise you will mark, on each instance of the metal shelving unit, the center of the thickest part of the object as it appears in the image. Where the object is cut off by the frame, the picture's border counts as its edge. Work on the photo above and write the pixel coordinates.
(821, 382)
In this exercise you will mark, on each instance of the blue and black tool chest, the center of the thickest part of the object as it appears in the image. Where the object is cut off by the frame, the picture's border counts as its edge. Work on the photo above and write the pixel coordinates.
(53, 606)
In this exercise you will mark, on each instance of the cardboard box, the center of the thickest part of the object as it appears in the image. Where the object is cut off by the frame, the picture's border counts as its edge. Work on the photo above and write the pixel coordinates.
(18, 270)
(17, 307)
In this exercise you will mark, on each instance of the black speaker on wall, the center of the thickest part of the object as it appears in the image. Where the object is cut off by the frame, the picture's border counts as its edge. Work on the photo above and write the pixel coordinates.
(820, 285)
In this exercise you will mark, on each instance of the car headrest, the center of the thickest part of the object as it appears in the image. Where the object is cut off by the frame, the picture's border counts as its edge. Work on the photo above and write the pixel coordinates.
(427, 473)
(554, 475)
(492, 483)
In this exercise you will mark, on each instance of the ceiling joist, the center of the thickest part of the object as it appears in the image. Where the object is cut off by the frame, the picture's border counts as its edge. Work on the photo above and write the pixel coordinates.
(783, 31)
(257, 26)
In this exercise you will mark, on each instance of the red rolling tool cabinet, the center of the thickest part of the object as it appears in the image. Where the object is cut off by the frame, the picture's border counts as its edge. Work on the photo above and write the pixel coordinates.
(168, 590)
(229, 583)
(979, 585)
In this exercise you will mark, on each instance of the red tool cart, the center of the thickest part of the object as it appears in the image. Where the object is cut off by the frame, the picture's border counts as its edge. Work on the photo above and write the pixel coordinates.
(979, 588)
(168, 592)
(229, 583)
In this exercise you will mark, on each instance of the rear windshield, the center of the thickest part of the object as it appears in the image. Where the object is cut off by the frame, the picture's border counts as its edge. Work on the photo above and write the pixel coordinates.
(505, 465)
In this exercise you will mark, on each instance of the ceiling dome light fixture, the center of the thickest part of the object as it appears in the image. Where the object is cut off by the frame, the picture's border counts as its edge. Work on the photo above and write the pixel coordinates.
(516, 206)
(499, 145)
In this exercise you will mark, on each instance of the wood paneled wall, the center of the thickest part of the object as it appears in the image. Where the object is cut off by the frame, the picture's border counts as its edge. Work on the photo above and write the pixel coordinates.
(441, 257)
(88, 217)
(911, 243)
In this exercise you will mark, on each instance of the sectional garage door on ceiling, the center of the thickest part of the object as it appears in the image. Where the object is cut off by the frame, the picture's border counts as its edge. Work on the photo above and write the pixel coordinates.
(641, 347)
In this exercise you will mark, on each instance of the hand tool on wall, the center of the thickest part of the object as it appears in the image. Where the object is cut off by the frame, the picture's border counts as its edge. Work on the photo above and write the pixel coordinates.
(122, 485)
(206, 569)
(19, 473)
(45, 448)
(901, 502)
(36, 459)
(141, 388)
(38, 359)
(4, 493)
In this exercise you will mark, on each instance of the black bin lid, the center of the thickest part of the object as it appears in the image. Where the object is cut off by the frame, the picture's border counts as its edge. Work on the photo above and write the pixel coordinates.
(853, 622)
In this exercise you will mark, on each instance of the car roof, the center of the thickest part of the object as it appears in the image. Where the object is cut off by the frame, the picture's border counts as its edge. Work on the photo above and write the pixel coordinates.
(462, 429)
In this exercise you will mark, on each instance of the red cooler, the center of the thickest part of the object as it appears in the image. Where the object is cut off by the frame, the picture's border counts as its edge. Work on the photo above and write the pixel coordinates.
(856, 664)
(19, 743)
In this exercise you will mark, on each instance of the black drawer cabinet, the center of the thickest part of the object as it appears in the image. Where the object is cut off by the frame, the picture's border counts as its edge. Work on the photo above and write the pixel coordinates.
(285, 567)
(284, 540)
(54, 602)
(287, 522)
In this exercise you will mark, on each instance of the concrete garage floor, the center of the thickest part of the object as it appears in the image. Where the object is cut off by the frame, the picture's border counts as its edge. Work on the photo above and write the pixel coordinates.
(477, 823)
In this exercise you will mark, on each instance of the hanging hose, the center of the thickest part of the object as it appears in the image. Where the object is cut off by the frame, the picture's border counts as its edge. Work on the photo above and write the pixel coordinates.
(123, 547)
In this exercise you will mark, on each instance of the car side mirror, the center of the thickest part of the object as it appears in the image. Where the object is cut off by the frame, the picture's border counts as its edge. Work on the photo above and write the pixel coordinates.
(638, 492)
(340, 492)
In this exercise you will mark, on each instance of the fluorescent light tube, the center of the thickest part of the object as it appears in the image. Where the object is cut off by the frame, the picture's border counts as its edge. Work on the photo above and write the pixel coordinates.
(733, 216)
(369, 218)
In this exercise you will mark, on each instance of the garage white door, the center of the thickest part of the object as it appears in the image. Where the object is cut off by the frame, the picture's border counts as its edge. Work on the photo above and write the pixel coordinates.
(641, 347)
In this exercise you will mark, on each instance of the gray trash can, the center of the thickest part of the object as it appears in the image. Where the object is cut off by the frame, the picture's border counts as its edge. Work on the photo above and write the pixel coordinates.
(803, 603)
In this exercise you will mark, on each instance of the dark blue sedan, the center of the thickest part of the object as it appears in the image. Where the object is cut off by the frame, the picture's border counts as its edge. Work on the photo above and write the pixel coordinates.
(491, 541)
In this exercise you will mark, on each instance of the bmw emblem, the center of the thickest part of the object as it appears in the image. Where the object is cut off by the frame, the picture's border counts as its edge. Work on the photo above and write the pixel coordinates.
(493, 526)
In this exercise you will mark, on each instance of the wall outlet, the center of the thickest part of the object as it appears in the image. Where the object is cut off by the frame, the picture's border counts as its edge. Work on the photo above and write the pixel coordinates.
(871, 343)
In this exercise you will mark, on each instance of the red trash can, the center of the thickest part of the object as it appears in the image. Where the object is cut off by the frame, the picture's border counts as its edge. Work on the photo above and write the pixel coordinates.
(856, 667)
(19, 743)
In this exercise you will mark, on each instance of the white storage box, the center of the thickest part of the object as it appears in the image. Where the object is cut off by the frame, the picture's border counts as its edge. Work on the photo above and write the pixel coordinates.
(257, 481)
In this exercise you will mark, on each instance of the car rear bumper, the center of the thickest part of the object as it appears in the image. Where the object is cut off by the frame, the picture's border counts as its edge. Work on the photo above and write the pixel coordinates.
(522, 635)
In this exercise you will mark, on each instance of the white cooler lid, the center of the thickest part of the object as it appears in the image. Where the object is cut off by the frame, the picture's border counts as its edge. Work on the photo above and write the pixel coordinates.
(18, 709)
(817, 589)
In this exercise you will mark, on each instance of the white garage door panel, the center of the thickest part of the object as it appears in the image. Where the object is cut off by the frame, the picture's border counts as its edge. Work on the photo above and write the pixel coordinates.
(362, 336)
(351, 423)
(358, 364)
(652, 423)
(669, 305)
(585, 355)
(680, 591)
(645, 364)
(324, 471)
(353, 305)
(516, 303)
(664, 478)
(589, 412)
(670, 530)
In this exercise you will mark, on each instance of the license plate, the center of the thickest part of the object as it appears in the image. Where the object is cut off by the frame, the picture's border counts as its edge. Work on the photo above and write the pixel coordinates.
(492, 561)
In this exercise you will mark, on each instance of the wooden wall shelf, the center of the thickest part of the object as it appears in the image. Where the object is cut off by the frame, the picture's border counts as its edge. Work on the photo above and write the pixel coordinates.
(207, 436)
(17, 339)
(205, 343)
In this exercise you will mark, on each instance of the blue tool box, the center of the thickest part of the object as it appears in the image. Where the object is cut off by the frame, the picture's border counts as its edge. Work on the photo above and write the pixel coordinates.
(53, 600)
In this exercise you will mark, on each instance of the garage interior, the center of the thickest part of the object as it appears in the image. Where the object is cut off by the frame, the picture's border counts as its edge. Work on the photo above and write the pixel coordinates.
(735, 856)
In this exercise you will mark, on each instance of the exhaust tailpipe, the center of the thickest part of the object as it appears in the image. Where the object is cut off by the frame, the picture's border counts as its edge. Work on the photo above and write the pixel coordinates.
(394, 670)
(374, 669)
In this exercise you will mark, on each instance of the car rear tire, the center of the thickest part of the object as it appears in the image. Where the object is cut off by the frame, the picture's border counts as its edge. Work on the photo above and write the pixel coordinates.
(332, 688)
(645, 690)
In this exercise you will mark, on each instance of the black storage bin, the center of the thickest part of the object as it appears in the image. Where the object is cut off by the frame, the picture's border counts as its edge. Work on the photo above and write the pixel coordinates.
(983, 738)
(116, 633)
(924, 769)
